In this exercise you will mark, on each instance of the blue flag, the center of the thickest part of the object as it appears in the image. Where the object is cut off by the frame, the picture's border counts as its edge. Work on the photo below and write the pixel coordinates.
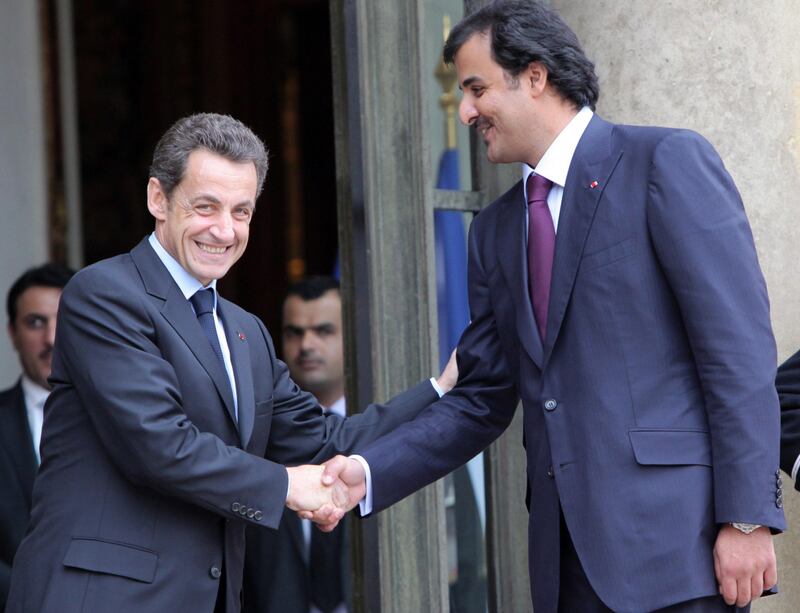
(451, 263)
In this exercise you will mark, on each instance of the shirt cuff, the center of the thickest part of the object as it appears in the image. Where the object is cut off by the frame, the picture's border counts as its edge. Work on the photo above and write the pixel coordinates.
(365, 504)
(438, 389)
(795, 468)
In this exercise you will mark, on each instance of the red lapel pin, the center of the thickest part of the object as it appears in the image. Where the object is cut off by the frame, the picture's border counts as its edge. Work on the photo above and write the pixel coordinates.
(593, 184)
(242, 336)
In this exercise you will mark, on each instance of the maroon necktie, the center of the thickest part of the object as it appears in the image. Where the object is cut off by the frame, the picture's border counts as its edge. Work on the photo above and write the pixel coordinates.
(541, 246)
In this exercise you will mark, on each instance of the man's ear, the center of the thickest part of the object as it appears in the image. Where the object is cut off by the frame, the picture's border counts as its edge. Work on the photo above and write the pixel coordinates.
(157, 201)
(537, 77)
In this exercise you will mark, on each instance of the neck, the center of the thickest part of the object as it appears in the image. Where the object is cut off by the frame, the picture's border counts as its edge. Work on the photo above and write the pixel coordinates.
(560, 113)
(328, 396)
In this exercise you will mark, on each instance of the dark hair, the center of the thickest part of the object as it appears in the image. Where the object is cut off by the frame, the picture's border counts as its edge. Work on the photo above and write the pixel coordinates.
(312, 288)
(46, 275)
(220, 134)
(525, 31)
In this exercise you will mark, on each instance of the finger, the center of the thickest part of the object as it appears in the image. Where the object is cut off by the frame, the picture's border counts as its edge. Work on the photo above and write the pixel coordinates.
(327, 527)
(333, 469)
(340, 495)
(305, 515)
(756, 586)
(771, 576)
(743, 592)
(728, 590)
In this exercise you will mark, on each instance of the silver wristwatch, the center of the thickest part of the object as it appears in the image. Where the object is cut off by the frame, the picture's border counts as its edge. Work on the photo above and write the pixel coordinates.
(745, 528)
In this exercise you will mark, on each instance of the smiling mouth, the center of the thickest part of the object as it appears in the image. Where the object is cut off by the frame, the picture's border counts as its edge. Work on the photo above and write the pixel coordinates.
(209, 249)
(483, 128)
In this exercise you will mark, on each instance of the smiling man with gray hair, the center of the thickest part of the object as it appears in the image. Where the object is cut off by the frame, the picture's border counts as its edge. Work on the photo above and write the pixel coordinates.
(171, 420)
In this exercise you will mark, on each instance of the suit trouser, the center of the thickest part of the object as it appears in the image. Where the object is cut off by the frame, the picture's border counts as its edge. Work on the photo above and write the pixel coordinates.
(576, 595)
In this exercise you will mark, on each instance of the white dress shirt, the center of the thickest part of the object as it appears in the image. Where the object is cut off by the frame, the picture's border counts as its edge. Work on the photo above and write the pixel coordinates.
(555, 163)
(35, 396)
(554, 166)
(189, 286)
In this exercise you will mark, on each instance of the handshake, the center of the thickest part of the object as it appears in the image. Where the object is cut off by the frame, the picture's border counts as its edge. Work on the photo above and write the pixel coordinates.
(325, 493)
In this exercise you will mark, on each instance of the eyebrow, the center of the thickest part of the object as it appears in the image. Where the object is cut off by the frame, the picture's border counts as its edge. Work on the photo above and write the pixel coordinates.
(209, 197)
(215, 200)
(468, 81)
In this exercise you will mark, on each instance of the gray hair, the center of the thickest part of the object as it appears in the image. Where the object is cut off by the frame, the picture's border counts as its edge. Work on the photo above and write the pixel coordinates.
(220, 134)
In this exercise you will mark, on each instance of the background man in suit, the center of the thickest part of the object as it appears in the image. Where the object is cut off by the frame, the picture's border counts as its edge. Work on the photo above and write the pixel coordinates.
(32, 304)
(617, 291)
(171, 420)
(313, 575)
(787, 383)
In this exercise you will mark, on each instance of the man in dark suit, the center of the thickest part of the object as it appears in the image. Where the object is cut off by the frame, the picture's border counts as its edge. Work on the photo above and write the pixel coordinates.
(787, 383)
(313, 574)
(617, 291)
(32, 304)
(171, 419)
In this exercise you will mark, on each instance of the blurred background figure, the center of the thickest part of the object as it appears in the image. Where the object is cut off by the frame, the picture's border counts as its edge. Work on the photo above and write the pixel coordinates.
(314, 568)
(32, 304)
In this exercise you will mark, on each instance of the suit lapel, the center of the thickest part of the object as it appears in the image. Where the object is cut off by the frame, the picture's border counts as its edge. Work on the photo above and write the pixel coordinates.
(177, 311)
(513, 261)
(591, 168)
(242, 370)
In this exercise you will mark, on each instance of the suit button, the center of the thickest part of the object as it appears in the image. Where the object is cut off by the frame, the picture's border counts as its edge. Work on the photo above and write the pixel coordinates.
(235, 507)
(779, 503)
(550, 404)
(215, 572)
(251, 513)
(258, 515)
(243, 511)
(550, 471)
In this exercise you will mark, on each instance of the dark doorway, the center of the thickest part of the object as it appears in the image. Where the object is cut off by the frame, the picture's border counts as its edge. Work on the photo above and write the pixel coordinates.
(142, 65)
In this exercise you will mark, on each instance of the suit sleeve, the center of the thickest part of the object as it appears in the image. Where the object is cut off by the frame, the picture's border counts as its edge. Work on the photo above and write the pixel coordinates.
(107, 345)
(301, 434)
(464, 421)
(787, 383)
(705, 248)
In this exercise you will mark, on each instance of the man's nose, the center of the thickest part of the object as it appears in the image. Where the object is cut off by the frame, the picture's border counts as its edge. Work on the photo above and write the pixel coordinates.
(51, 331)
(223, 228)
(467, 112)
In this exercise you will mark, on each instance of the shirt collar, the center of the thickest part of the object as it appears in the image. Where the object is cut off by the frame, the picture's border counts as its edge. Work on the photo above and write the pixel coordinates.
(337, 408)
(186, 282)
(555, 162)
(35, 394)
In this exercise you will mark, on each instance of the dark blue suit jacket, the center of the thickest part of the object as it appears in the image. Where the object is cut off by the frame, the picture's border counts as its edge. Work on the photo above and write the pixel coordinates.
(147, 482)
(17, 471)
(650, 413)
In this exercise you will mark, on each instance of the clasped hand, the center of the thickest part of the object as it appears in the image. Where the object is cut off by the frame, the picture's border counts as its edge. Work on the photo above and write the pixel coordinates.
(325, 493)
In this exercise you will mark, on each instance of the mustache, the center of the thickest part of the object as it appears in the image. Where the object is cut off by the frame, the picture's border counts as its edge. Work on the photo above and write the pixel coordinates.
(481, 123)
(46, 354)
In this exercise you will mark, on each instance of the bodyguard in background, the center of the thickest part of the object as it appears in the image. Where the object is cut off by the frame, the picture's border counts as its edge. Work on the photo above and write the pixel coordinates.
(788, 385)
(32, 304)
(314, 570)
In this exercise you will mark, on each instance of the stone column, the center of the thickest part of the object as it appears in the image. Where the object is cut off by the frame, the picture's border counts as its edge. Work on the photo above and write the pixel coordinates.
(730, 70)
(23, 178)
